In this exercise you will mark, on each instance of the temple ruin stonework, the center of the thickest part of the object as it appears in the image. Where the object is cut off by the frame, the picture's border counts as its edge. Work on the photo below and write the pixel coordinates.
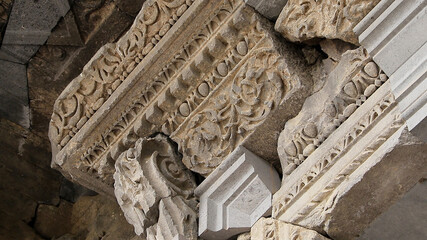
(212, 119)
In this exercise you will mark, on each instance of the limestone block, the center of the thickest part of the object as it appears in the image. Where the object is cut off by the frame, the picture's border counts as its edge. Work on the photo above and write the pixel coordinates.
(302, 20)
(153, 187)
(269, 228)
(258, 86)
(210, 74)
(268, 8)
(235, 195)
(394, 35)
(356, 173)
(348, 86)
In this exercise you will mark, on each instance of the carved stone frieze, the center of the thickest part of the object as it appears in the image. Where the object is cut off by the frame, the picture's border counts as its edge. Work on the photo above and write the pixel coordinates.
(155, 190)
(331, 180)
(349, 85)
(302, 20)
(249, 92)
(213, 65)
(272, 229)
(109, 68)
(391, 34)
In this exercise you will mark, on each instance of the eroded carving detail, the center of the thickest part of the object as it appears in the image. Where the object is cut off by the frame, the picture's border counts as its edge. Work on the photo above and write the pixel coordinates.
(110, 67)
(302, 20)
(303, 135)
(164, 96)
(272, 229)
(231, 116)
(330, 157)
(147, 178)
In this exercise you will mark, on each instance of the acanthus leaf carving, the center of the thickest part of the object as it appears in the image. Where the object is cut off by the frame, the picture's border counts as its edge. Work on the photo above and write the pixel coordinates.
(214, 132)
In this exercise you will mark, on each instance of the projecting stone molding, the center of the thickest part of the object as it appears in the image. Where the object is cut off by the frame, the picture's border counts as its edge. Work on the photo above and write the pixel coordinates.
(336, 150)
(212, 75)
(394, 34)
(236, 195)
(272, 229)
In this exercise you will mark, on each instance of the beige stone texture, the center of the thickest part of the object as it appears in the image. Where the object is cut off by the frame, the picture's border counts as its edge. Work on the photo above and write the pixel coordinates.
(272, 229)
(204, 73)
(355, 174)
(302, 20)
(155, 190)
(348, 86)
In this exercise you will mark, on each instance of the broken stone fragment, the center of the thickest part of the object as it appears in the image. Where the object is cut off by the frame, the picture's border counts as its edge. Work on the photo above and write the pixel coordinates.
(302, 20)
(269, 228)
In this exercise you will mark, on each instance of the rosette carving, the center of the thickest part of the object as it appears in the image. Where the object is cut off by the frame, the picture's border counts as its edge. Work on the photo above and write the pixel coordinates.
(146, 174)
(232, 115)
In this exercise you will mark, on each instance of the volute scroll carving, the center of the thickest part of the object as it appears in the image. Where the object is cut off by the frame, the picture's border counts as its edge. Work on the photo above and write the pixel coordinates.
(146, 177)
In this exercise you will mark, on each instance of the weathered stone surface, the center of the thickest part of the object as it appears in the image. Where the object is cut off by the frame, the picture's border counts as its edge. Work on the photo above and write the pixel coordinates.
(25, 165)
(5, 7)
(252, 105)
(54, 66)
(236, 195)
(343, 172)
(406, 219)
(268, 8)
(335, 48)
(346, 88)
(13, 228)
(131, 7)
(302, 20)
(98, 217)
(269, 228)
(244, 236)
(172, 80)
(155, 191)
(394, 35)
(48, 216)
(14, 93)
(29, 26)
(66, 32)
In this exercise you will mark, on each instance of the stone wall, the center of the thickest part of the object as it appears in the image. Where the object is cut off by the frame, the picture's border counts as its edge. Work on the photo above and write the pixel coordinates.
(38, 203)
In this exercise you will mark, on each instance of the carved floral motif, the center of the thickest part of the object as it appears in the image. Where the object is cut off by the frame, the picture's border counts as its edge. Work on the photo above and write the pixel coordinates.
(214, 132)
(228, 53)
(110, 67)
